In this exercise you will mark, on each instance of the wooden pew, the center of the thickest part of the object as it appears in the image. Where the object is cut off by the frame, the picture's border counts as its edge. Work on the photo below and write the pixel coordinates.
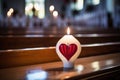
(30, 56)
(21, 60)
(102, 67)
(10, 30)
(29, 41)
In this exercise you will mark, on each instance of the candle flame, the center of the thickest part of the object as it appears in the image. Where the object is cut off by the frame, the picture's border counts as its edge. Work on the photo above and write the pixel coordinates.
(55, 14)
(51, 8)
(68, 30)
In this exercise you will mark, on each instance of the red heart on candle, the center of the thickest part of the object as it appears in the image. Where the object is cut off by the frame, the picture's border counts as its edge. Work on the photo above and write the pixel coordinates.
(68, 50)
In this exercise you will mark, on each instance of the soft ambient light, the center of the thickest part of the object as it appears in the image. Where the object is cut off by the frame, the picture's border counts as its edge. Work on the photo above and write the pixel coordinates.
(51, 8)
(11, 10)
(9, 13)
(68, 49)
(55, 14)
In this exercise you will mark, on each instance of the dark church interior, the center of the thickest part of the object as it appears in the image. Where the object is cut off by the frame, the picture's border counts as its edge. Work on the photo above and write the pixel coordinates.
(59, 39)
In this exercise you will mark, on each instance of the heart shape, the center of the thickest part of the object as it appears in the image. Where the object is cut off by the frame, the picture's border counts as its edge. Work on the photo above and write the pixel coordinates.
(68, 50)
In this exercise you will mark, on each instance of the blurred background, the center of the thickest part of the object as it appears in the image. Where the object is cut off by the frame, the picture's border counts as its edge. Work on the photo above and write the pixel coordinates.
(53, 16)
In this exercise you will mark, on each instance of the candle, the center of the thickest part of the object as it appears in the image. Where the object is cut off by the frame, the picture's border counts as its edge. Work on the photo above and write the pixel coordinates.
(68, 49)
(55, 14)
(51, 8)
(9, 13)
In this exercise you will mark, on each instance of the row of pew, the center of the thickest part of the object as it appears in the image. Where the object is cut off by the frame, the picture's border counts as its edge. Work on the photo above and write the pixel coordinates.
(21, 53)
(20, 42)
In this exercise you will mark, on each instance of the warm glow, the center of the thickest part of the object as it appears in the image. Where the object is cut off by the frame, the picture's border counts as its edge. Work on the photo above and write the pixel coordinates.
(11, 10)
(8, 13)
(96, 65)
(55, 14)
(79, 68)
(68, 30)
(51, 8)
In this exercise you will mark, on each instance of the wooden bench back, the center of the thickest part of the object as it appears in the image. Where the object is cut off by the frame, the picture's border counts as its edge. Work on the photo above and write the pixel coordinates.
(20, 42)
(29, 56)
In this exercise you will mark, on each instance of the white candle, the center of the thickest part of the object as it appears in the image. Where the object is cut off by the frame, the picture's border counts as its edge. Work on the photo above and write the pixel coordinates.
(51, 8)
(55, 14)
(68, 49)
